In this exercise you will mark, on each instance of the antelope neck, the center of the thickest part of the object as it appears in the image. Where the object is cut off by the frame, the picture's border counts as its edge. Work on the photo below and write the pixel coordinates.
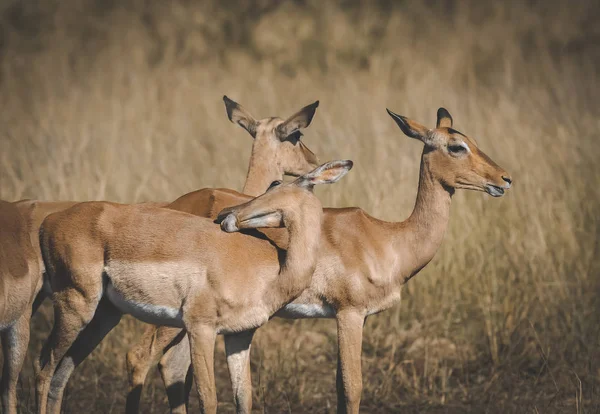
(421, 235)
(300, 258)
(260, 176)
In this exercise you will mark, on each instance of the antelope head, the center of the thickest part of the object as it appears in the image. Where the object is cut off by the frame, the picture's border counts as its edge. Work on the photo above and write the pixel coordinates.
(455, 159)
(283, 203)
(278, 139)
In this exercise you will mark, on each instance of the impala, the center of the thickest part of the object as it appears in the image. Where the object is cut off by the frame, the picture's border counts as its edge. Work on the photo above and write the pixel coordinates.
(277, 150)
(173, 268)
(364, 262)
(19, 276)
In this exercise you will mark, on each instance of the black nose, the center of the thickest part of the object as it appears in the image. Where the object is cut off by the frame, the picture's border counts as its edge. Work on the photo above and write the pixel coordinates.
(507, 179)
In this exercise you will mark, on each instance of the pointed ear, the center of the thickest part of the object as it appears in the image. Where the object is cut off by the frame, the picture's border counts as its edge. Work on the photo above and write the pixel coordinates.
(328, 173)
(299, 120)
(444, 119)
(409, 127)
(238, 115)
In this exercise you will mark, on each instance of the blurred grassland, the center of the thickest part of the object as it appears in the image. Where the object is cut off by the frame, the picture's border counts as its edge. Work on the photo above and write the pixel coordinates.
(122, 101)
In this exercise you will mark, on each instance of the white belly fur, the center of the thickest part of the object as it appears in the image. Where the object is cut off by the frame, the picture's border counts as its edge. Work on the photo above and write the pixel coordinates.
(146, 312)
(301, 311)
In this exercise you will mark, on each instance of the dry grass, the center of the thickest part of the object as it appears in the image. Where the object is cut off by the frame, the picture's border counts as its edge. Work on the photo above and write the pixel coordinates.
(121, 101)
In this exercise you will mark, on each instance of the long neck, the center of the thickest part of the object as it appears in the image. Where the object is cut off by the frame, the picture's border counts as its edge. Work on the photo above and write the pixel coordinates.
(301, 256)
(261, 173)
(420, 236)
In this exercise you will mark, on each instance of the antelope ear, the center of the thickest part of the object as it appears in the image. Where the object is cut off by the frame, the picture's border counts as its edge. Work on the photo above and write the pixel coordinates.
(239, 115)
(328, 173)
(411, 128)
(444, 119)
(299, 120)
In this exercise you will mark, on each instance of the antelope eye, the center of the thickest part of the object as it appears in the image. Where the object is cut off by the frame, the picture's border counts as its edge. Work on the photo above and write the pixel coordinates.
(274, 184)
(456, 149)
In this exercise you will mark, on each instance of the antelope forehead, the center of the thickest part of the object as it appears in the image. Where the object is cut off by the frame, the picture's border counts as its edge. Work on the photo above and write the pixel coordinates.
(453, 131)
(298, 199)
(266, 126)
(272, 122)
(277, 195)
(462, 137)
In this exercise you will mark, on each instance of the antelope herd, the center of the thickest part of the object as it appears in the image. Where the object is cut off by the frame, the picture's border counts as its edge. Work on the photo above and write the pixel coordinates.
(199, 267)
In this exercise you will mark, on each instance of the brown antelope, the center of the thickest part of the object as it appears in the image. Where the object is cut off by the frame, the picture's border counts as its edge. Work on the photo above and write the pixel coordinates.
(173, 268)
(364, 262)
(276, 150)
(19, 277)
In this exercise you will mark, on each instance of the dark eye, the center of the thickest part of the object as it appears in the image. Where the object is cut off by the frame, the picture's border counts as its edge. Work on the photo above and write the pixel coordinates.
(456, 149)
(274, 184)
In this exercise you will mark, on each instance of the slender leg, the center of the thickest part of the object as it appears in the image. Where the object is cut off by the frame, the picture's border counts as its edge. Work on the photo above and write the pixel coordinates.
(42, 294)
(39, 299)
(105, 319)
(202, 347)
(189, 378)
(237, 348)
(143, 356)
(349, 375)
(14, 342)
(174, 367)
(73, 310)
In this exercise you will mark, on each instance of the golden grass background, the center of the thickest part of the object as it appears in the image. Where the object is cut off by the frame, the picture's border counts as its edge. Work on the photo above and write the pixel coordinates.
(121, 100)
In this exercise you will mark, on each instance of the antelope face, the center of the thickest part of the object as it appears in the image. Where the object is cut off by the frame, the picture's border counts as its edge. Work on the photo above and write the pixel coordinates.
(278, 140)
(455, 159)
(283, 203)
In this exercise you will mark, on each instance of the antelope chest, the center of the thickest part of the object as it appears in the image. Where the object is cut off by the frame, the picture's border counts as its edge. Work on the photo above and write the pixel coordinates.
(385, 302)
(243, 319)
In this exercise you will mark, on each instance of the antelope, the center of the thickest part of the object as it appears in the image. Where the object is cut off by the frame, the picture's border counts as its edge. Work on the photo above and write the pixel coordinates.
(172, 268)
(364, 262)
(19, 276)
(277, 150)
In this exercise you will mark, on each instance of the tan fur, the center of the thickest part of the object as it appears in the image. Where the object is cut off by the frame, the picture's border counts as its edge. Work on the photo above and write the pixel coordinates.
(105, 259)
(34, 212)
(21, 269)
(19, 276)
(271, 158)
(363, 262)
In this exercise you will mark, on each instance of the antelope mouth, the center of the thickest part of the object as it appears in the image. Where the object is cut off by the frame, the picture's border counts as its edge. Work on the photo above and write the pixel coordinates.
(494, 190)
(229, 223)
